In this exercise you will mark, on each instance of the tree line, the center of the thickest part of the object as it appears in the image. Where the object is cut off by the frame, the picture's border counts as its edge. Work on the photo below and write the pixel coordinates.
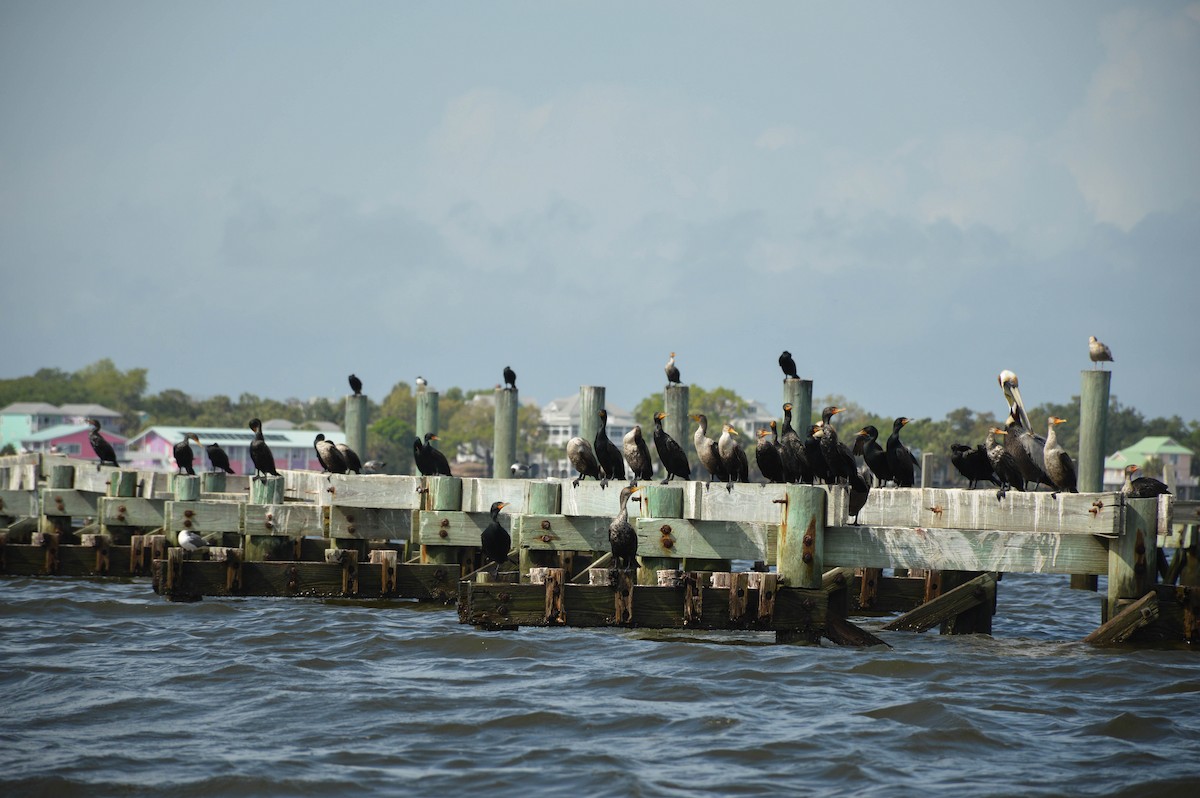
(466, 418)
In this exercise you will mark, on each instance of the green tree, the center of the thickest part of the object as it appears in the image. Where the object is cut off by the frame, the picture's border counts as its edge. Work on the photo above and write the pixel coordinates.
(719, 405)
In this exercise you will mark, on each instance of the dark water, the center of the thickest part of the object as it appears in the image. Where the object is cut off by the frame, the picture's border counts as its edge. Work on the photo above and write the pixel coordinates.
(109, 690)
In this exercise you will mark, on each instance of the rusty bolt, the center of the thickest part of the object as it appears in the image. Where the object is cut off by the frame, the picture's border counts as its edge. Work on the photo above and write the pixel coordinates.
(268, 523)
(270, 516)
(349, 519)
(740, 592)
(667, 543)
(187, 524)
(443, 533)
(502, 610)
(120, 516)
(546, 525)
(188, 513)
(665, 529)
(808, 558)
(546, 538)
(120, 507)
(439, 574)
(350, 529)
(1140, 548)
(770, 593)
(808, 540)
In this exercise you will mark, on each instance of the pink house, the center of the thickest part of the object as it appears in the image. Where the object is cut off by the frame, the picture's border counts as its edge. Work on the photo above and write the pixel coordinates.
(154, 448)
(71, 440)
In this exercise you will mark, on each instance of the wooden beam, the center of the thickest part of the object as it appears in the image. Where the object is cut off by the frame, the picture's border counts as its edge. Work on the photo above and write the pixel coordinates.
(1121, 626)
(955, 508)
(978, 591)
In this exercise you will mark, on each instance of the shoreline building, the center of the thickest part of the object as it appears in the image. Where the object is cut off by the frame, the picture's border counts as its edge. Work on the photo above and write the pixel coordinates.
(153, 447)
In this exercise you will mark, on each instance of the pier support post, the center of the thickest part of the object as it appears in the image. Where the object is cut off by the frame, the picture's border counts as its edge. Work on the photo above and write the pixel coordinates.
(1132, 557)
(443, 493)
(675, 405)
(123, 483)
(591, 402)
(62, 477)
(799, 393)
(504, 435)
(801, 552)
(357, 410)
(659, 501)
(541, 498)
(427, 416)
(214, 481)
(266, 490)
(185, 487)
(1093, 423)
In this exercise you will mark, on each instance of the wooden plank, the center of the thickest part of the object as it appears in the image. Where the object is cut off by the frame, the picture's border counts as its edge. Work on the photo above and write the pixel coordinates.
(291, 520)
(1131, 618)
(306, 486)
(956, 508)
(454, 528)
(973, 593)
(367, 523)
(478, 495)
(72, 561)
(1133, 556)
(89, 480)
(309, 579)
(506, 605)
(588, 498)
(130, 511)
(73, 503)
(716, 540)
(748, 502)
(560, 532)
(19, 477)
(964, 550)
(375, 491)
(203, 517)
(19, 503)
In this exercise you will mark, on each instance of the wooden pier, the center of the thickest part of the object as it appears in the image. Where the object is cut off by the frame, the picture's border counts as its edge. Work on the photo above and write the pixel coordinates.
(377, 536)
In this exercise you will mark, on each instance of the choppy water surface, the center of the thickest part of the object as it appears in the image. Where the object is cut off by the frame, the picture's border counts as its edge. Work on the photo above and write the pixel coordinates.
(108, 689)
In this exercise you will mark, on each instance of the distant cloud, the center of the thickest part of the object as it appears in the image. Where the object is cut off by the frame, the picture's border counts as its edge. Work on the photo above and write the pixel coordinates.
(777, 138)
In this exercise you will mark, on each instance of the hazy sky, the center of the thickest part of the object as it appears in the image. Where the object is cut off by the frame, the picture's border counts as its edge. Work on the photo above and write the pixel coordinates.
(263, 197)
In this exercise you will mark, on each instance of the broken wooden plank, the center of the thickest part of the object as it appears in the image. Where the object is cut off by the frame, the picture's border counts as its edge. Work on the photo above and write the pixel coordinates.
(977, 591)
(1131, 618)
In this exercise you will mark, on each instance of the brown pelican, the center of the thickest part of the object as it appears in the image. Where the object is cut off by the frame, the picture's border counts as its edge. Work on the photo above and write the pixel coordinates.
(637, 454)
(1027, 449)
(670, 454)
(733, 457)
(583, 460)
(706, 450)
(1142, 487)
(672, 371)
(767, 454)
(621, 536)
(1059, 466)
(1098, 352)
(1012, 395)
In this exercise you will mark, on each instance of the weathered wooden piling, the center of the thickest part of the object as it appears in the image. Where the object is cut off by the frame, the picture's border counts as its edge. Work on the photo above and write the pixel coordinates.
(660, 502)
(1132, 556)
(427, 413)
(1093, 423)
(123, 483)
(799, 393)
(591, 402)
(542, 497)
(504, 435)
(266, 490)
(357, 410)
(55, 518)
(185, 487)
(444, 493)
(214, 481)
(675, 405)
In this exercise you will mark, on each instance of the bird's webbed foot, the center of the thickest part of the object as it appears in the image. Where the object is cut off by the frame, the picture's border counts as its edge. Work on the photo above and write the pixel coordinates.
(575, 483)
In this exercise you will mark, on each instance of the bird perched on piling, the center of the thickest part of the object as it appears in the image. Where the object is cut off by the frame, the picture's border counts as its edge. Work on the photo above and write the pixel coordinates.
(103, 449)
(374, 466)
(430, 462)
(859, 489)
(191, 541)
(866, 446)
(622, 539)
(421, 383)
(706, 450)
(1098, 352)
(1003, 464)
(973, 463)
(353, 463)
(838, 457)
(672, 371)
(494, 540)
(260, 452)
(788, 365)
(1142, 487)
(670, 453)
(792, 451)
(816, 457)
(328, 455)
(733, 457)
(355, 385)
(637, 454)
(583, 460)
(218, 458)
(184, 456)
(900, 458)
(510, 379)
(768, 456)
(1059, 466)
(612, 465)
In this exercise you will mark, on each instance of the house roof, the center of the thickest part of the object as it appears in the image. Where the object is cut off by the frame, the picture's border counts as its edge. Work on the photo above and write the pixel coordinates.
(45, 408)
(1143, 450)
(65, 430)
(567, 408)
(29, 409)
(93, 410)
(288, 438)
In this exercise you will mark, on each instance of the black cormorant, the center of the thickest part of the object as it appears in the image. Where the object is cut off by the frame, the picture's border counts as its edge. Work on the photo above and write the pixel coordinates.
(583, 460)
(356, 385)
(859, 489)
(510, 379)
(612, 466)
(1142, 487)
(218, 458)
(1059, 466)
(494, 540)
(353, 463)
(973, 464)
(670, 454)
(100, 446)
(637, 454)
(621, 535)
(184, 456)
(328, 455)
(866, 445)
(816, 457)
(788, 365)
(430, 462)
(672, 371)
(1003, 463)
(901, 460)
(792, 452)
(706, 450)
(260, 452)
(767, 454)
